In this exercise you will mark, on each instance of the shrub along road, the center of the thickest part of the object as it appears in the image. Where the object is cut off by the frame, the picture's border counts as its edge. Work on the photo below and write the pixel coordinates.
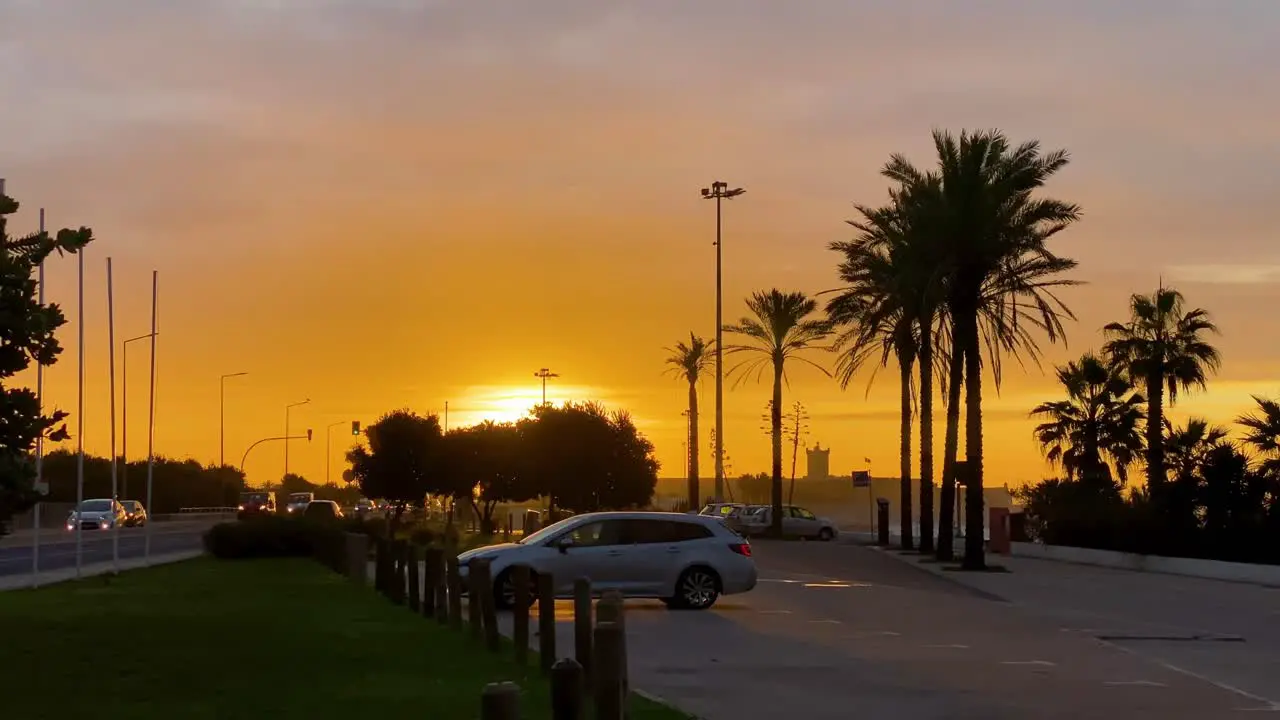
(837, 631)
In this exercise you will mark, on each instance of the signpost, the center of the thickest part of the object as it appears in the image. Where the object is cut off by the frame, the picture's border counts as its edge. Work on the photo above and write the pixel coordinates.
(862, 478)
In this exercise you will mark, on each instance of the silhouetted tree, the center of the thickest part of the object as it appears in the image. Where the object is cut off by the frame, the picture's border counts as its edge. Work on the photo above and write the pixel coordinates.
(27, 335)
(176, 484)
(688, 362)
(403, 461)
(1262, 433)
(490, 464)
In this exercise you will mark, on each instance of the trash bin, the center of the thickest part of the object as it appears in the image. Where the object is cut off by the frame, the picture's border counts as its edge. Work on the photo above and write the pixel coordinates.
(882, 522)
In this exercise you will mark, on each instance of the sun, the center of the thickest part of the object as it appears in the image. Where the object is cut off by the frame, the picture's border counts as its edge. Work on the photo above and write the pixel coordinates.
(503, 404)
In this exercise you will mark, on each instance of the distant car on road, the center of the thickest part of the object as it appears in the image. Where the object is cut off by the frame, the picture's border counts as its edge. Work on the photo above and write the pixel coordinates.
(135, 514)
(97, 514)
(322, 510)
(298, 501)
(796, 522)
(687, 561)
(256, 503)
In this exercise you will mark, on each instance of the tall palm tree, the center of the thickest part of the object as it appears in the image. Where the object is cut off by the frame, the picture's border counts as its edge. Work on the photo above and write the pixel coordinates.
(1163, 346)
(1186, 448)
(778, 329)
(991, 232)
(1095, 430)
(687, 362)
(878, 310)
(1263, 434)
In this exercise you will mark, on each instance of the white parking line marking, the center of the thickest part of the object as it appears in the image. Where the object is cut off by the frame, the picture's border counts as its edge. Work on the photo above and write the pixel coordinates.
(775, 612)
(948, 647)
(1043, 663)
(872, 633)
(1143, 683)
(826, 622)
(1269, 705)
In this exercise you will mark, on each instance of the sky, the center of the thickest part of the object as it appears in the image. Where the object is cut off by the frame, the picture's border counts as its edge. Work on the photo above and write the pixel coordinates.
(391, 204)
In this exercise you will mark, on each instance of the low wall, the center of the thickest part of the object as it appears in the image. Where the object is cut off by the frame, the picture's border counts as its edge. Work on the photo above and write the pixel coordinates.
(1268, 575)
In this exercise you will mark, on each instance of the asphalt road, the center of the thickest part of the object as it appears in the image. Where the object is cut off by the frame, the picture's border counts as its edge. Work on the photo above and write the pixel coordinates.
(839, 631)
(96, 547)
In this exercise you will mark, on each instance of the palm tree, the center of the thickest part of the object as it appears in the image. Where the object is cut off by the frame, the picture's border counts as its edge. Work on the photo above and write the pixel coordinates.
(778, 329)
(1096, 429)
(1186, 449)
(990, 234)
(1164, 347)
(1263, 433)
(688, 363)
(878, 307)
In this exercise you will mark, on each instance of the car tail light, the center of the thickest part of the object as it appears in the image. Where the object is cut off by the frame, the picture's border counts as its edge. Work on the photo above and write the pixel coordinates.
(741, 548)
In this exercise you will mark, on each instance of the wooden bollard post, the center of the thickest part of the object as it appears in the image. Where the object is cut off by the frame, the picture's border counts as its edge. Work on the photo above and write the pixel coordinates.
(611, 609)
(475, 605)
(488, 608)
(415, 582)
(607, 681)
(568, 690)
(455, 592)
(582, 622)
(398, 580)
(546, 621)
(358, 558)
(500, 701)
(431, 579)
(380, 566)
(520, 613)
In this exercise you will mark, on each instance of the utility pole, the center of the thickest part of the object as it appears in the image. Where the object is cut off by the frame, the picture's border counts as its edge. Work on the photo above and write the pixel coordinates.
(545, 373)
(328, 447)
(124, 413)
(719, 191)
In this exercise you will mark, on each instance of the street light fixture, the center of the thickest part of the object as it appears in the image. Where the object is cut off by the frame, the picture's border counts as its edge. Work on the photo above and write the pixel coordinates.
(124, 413)
(328, 447)
(222, 416)
(545, 373)
(287, 408)
(719, 191)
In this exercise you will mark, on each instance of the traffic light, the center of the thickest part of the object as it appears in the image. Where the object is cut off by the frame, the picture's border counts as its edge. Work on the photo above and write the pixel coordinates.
(355, 427)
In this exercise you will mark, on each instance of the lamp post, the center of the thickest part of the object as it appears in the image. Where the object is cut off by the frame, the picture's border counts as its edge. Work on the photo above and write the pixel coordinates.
(287, 408)
(328, 447)
(545, 373)
(719, 191)
(124, 414)
(222, 416)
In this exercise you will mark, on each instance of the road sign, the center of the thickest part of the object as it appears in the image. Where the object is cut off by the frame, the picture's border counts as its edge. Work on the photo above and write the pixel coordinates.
(861, 478)
(41, 486)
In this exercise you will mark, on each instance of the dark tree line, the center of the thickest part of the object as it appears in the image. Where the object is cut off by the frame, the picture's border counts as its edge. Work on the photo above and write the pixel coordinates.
(579, 455)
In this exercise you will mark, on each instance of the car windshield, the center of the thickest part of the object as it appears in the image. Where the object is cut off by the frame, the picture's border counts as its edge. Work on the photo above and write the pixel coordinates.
(546, 532)
(95, 505)
(300, 497)
(253, 497)
(130, 505)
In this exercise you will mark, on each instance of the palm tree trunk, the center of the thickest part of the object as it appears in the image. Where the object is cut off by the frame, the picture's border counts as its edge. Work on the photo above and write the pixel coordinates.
(951, 446)
(974, 543)
(904, 506)
(1155, 434)
(693, 448)
(775, 432)
(926, 436)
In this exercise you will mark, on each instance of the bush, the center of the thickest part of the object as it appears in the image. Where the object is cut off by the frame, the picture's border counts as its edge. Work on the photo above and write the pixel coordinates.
(275, 536)
(373, 526)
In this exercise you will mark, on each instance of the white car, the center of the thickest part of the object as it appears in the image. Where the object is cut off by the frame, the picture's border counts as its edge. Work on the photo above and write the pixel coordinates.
(796, 522)
(97, 514)
(687, 561)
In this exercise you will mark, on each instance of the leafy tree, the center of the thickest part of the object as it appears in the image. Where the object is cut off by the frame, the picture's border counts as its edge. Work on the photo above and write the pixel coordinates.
(1097, 424)
(587, 458)
(1164, 346)
(989, 232)
(176, 484)
(1262, 432)
(688, 363)
(490, 464)
(27, 335)
(403, 461)
(778, 329)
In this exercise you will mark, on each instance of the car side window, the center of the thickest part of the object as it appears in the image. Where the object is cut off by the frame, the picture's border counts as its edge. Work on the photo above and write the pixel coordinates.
(596, 534)
(651, 532)
(803, 514)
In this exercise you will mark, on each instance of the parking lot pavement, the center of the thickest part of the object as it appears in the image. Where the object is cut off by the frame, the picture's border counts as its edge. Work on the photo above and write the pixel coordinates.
(1226, 633)
(835, 631)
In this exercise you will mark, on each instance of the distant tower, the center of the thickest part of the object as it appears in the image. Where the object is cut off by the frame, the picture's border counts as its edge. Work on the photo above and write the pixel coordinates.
(817, 463)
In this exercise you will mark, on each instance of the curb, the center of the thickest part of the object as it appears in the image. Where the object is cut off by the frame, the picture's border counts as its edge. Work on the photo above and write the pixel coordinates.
(949, 577)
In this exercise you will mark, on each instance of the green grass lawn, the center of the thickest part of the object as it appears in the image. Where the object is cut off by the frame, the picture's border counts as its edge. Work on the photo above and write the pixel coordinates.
(251, 639)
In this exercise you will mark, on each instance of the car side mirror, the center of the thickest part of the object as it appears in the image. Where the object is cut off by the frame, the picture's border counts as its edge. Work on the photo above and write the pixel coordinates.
(564, 543)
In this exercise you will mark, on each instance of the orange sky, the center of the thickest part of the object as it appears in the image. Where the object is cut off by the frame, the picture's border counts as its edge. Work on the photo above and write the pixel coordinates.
(394, 204)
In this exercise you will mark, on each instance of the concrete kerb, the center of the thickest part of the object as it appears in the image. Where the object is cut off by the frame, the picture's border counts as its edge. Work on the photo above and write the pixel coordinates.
(61, 575)
(934, 568)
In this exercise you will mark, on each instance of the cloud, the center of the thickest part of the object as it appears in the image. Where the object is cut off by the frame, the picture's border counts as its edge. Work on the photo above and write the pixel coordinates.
(1254, 274)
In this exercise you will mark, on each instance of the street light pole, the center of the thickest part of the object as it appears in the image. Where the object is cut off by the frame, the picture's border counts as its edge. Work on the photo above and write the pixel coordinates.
(222, 417)
(124, 414)
(328, 447)
(287, 408)
(545, 373)
(719, 191)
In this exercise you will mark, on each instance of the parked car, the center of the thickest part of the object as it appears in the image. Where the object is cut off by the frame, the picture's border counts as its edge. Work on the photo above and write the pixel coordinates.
(731, 514)
(97, 514)
(256, 503)
(298, 501)
(687, 561)
(135, 514)
(796, 522)
(322, 510)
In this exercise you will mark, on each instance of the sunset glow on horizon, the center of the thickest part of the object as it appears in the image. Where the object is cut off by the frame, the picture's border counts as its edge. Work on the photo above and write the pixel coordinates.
(383, 206)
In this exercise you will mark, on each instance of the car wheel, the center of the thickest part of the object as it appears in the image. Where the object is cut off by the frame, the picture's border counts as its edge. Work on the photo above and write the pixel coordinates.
(697, 589)
(504, 590)
(825, 535)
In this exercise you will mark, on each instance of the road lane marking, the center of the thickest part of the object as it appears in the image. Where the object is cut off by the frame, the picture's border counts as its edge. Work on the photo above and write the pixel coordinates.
(1143, 683)
(872, 633)
(948, 647)
(826, 622)
(1039, 663)
(775, 612)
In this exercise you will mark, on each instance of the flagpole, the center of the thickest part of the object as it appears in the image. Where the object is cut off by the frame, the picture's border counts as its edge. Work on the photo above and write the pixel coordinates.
(111, 355)
(151, 412)
(35, 542)
(80, 417)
